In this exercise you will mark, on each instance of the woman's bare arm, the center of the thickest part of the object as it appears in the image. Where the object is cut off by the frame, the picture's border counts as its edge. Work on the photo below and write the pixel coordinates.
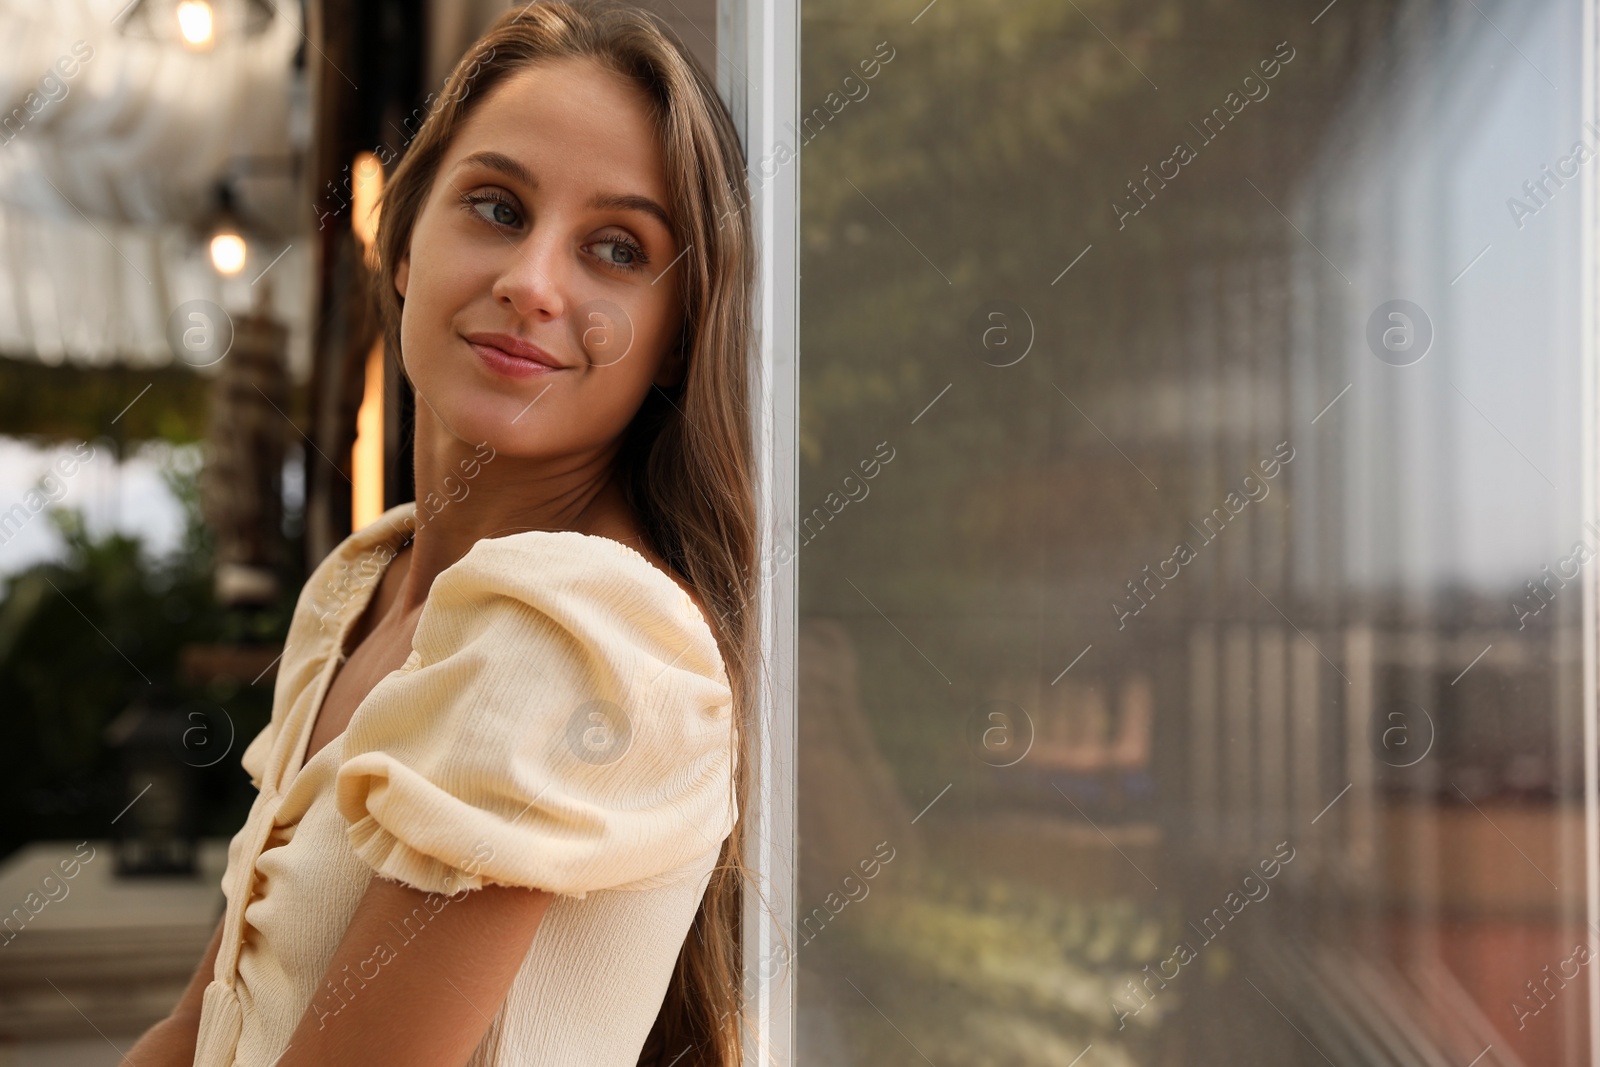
(171, 1042)
(417, 977)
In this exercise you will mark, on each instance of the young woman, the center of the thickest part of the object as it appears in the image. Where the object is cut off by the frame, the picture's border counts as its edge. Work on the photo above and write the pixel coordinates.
(500, 794)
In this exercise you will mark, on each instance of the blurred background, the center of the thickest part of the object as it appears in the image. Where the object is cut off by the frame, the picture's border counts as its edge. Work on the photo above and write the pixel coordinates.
(1083, 267)
(1195, 451)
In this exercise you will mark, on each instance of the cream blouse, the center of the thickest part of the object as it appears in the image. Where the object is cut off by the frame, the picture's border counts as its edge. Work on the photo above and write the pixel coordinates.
(564, 722)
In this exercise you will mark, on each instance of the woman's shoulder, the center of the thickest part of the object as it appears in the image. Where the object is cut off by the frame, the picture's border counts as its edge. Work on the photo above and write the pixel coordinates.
(582, 579)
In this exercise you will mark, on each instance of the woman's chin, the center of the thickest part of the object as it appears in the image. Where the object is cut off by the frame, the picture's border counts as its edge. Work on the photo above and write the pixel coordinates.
(476, 417)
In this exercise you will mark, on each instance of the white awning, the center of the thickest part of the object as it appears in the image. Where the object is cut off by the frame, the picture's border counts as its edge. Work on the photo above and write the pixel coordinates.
(111, 148)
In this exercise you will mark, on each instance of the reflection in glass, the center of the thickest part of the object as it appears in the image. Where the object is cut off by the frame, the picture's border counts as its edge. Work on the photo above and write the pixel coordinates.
(1201, 679)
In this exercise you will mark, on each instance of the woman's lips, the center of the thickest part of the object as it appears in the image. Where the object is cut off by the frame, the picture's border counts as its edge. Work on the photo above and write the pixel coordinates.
(502, 362)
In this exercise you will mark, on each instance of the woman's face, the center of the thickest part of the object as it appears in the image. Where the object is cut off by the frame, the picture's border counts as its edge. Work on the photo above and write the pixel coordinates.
(544, 228)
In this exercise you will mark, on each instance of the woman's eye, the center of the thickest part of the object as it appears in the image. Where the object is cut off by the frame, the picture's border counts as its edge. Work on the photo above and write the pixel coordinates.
(496, 211)
(619, 253)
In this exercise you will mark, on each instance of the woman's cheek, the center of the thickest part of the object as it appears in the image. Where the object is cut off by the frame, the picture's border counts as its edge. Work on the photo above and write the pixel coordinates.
(607, 331)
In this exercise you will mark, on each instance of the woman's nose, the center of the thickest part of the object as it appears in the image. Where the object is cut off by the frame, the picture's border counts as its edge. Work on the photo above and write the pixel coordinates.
(534, 278)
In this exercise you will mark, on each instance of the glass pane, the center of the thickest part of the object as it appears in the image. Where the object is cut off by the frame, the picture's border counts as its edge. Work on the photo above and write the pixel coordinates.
(1192, 535)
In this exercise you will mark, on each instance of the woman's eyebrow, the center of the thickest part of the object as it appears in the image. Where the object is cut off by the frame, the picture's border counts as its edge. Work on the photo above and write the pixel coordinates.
(629, 202)
(620, 201)
(504, 164)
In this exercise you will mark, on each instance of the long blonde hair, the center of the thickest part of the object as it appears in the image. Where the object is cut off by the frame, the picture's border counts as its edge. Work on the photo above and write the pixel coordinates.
(686, 462)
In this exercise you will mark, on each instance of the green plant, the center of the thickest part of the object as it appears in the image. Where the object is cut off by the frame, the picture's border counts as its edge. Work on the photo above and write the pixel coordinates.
(82, 637)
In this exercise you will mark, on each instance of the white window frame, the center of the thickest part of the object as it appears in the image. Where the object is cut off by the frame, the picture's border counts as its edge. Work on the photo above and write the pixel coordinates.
(1591, 586)
(758, 74)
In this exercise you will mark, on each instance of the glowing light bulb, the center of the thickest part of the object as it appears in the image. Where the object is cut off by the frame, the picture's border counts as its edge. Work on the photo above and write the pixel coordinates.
(227, 253)
(196, 23)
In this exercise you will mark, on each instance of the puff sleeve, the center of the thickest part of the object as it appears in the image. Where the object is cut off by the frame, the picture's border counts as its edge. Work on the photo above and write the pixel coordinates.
(564, 722)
